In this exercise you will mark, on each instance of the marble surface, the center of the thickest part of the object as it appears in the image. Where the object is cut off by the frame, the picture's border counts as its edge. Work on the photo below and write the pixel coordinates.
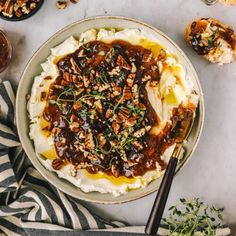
(211, 174)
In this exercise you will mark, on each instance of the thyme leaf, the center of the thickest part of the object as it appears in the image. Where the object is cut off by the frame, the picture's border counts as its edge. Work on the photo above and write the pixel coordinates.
(193, 217)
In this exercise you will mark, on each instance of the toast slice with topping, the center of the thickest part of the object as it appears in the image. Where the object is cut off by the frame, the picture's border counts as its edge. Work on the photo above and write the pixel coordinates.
(212, 39)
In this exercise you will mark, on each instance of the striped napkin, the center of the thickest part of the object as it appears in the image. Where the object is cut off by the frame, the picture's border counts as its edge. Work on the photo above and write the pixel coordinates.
(29, 205)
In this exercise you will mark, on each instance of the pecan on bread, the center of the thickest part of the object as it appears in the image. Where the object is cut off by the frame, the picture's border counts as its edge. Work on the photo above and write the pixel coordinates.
(212, 39)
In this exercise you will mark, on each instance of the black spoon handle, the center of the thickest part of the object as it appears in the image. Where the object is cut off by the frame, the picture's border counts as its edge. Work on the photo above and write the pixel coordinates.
(161, 198)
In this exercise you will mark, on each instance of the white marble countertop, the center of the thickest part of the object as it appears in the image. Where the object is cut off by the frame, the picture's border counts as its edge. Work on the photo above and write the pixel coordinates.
(211, 173)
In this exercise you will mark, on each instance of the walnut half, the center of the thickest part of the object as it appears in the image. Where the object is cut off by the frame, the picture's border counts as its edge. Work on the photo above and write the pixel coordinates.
(61, 4)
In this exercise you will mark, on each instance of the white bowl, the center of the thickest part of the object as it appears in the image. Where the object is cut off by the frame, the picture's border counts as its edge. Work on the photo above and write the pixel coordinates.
(33, 68)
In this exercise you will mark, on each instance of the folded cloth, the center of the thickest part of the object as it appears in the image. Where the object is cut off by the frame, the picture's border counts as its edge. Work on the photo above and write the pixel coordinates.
(29, 205)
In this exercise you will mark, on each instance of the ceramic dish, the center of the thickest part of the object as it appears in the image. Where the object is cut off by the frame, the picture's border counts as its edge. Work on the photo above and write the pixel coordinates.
(25, 16)
(33, 68)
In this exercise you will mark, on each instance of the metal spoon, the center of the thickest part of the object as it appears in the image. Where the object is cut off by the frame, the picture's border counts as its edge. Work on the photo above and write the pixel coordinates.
(210, 2)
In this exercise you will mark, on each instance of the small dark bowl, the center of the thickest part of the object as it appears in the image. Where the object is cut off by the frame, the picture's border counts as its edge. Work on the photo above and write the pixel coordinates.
(25, 16)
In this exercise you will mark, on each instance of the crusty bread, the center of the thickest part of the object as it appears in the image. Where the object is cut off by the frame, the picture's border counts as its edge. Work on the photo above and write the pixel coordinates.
(212, 39)
(228, 2)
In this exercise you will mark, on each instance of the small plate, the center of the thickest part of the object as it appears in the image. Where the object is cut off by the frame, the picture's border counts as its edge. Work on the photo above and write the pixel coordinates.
(23, 17)
(33, 69)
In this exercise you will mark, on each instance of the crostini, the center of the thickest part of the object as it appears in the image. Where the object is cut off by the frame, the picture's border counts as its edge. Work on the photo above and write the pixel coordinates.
(212, 39)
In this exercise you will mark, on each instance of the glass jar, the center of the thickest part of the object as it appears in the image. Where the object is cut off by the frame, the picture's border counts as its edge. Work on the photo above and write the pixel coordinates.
(5, 51)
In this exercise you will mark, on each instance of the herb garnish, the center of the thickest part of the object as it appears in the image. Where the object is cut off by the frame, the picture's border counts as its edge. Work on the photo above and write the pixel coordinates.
(194, 218)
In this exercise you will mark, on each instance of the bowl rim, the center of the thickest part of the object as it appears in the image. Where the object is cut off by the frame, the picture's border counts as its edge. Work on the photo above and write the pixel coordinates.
(201, 106)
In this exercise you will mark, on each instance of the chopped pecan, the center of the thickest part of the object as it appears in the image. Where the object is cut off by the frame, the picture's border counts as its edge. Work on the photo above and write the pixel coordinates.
(135, 94)
(83, 165)
(123, 63)
(139, 133)
(132, 163)
(116, 127)
(148, 127)
(74, 66)
(130, 80)
(116, 90)
(117, 119)
(115, 170)
(91, 157)
(61, 143)
(114, 71)
(67, 76)
(56, 130)
(98, 106)
(73, 171)
(130, 122)
(74, 118)
(81, 134)
(103, 87)
(109, 113)
(127, 93)
(81, 53)
(77, 105)
(89, 142)
(101, 139)
(74, 126)
(138, 145)
(79, 91)
(86, 81)
(147, 56)
(123, 155)
(113, 143)
(134, 68)
(135, 89)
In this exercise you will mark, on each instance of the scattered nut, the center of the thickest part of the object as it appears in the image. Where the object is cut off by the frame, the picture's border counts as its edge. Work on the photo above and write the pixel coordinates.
(74, 1)
(61, 4)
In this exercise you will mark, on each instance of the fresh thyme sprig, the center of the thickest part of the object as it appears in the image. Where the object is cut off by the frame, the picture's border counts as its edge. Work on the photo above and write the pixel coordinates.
(194, 218)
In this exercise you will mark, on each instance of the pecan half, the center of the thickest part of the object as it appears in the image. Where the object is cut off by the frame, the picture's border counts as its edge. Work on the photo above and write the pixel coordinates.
(57, 164)
(123, 114)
